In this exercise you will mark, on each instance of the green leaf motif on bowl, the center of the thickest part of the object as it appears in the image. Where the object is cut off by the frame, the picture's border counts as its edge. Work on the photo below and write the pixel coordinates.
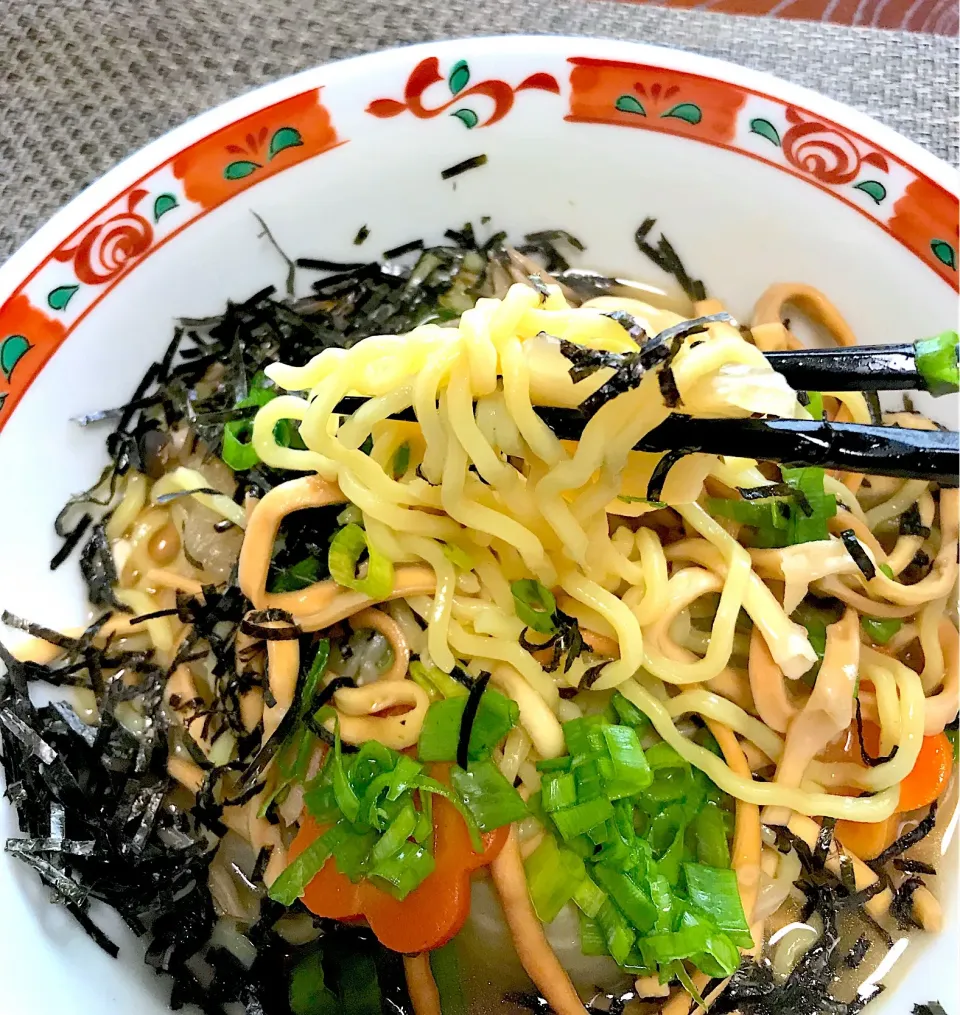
(459, 76)
(284, 138)
(944, 253)
(630, 104)
(58, 298)
(238, 170)
(12, 349)
(163, 204)
(685, 111)
(765, 129)
(467, 117)
(872, 188)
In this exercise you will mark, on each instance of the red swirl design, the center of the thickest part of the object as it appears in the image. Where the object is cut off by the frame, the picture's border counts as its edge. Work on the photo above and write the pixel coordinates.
(823, 152)
(427, 73)
(108, 248)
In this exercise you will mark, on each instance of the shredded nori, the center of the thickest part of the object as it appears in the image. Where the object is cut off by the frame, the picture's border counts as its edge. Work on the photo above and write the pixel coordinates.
(470, 709)
(908, 839)
(858, 553)
(660, 472)
(901, 906)
(404, 248)
(911, 524)
(869, 759)
(873, 407)
(668, 388)
(629, 324)
(462, 167)
(665, 257)
(824, 841)
(909, 866)
(857, 953)
(362, 233)
(566, 640)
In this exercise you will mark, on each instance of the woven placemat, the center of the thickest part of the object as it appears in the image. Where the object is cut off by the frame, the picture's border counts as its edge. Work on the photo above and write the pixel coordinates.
(85, 82)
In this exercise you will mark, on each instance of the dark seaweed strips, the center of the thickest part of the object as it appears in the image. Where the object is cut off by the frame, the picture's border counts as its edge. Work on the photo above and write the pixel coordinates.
(474, 162)
(901, 906)
(858, 553)
(754, 990)
(360, 299)
(666, 258)
(470, 709)
(911, 524)
(868, 758)
(90, 806)
(566, 641)
(630, 367)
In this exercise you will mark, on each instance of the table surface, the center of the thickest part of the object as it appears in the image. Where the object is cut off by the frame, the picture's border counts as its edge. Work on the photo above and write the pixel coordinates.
(84, 83)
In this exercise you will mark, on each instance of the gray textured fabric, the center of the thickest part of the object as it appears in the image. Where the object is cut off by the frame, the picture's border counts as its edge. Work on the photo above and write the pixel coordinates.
(85, 82)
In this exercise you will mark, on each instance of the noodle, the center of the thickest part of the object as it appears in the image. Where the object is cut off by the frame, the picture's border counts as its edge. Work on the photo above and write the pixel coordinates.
(579, 579)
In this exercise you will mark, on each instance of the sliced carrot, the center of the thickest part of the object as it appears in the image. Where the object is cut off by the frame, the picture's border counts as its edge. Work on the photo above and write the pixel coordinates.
(433, 912)
(930, 774)
(867, 839)
(922, 785)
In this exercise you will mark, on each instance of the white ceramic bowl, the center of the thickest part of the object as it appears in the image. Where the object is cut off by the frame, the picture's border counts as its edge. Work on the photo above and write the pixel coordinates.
(752, 179)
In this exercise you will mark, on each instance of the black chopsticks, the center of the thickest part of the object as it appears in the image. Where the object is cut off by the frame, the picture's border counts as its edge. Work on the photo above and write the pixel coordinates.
(933, 455)
(927, 365)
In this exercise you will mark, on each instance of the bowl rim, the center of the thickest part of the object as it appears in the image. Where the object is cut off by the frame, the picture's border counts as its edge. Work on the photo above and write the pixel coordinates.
(84, 205)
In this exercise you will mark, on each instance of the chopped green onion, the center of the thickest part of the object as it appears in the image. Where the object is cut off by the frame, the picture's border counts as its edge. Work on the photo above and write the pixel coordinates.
(443, 684)
(553, 874)
(588, 897)
(314, 675)
(457, 556)
(781, 521)
(293, 880)
(357, 982)
(628, 895)
(397, 833)
(535, 605)
(711, 834)
(558, 789)
(403, 777)
(425, 784)
(627, 712)
(238, 452)
(296, 577)
(309, 994)
(439, 737)
(592, 940)
(449, 979)
(343, 792)
(816, 627)
(617, 932)
(880, 630)
(815, 404)
(888, 571)
(352, 853)
(580, 818)
(561, 764)
(401, 461)
(403, 871)
(488, 796)
(937, 362)
(346, 548)
(631, 773)
(715, 893)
